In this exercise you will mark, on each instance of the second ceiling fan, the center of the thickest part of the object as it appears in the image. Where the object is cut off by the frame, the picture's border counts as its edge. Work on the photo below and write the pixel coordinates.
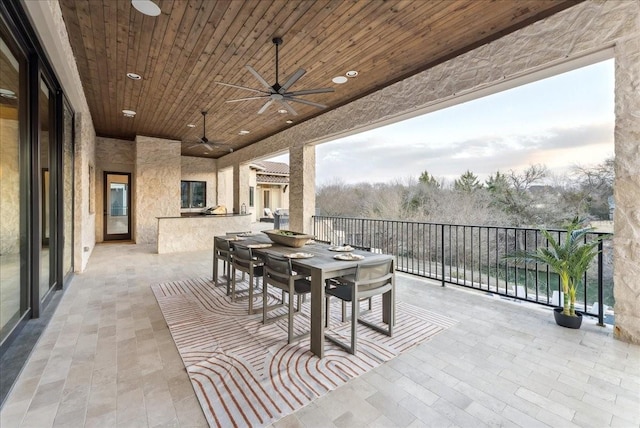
(277, 92)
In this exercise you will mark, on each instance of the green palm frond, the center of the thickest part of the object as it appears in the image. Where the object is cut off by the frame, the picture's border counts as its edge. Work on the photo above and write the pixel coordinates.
(570, 258)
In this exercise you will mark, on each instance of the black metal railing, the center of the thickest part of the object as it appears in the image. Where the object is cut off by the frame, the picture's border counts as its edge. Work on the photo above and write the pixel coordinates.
(473, 256)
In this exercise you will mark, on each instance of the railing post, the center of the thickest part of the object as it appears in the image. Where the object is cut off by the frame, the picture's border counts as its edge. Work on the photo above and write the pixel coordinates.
(600, 287)
(442, 250)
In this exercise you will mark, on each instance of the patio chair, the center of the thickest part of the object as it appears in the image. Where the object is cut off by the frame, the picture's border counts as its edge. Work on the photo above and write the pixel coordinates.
(243, 260)
(370, 279)
(279, 273)
(222, 252)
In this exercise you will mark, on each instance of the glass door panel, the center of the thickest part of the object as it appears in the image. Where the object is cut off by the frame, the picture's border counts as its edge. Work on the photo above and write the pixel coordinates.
(117, 218)
(14, 295)
(47, 277)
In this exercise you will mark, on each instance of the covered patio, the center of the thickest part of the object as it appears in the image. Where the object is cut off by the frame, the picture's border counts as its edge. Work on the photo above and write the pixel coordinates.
(107, 359)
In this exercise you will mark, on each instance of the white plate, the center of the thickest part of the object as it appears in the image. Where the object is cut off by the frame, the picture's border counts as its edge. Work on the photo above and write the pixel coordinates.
(299, 255)
(259, 245)
(348, 257)
(344, 248)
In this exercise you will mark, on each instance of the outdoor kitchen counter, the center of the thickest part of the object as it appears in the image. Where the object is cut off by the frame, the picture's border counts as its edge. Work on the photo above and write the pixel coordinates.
(194, 233)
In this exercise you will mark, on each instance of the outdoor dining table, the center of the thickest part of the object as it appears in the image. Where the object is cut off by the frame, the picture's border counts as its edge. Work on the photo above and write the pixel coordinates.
(320, 267)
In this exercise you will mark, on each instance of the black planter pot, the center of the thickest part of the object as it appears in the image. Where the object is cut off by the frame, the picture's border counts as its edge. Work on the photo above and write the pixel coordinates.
(567, 320)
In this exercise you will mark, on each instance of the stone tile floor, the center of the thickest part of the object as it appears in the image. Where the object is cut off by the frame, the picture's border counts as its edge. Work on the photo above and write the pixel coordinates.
(107, 359)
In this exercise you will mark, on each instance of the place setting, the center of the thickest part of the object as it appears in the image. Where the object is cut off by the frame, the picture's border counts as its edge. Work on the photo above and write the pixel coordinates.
(341, 248)
(299, 255)
(348, 257)
(256, 246)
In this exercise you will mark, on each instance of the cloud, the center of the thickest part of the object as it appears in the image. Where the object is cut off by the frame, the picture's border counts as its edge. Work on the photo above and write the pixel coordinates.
(375, 159)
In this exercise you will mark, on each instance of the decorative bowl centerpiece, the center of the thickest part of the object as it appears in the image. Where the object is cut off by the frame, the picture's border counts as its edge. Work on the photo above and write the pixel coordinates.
(288, 237)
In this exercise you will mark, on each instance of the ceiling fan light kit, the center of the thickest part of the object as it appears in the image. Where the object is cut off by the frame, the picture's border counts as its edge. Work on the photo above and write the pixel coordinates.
(278, 93)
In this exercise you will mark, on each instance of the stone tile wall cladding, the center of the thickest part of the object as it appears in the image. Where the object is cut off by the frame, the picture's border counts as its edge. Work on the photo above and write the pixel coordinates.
(157, 185)
(84, 220)
(581, 30)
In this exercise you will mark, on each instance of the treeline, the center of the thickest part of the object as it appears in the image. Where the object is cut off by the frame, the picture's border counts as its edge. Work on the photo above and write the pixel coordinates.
(529, 198)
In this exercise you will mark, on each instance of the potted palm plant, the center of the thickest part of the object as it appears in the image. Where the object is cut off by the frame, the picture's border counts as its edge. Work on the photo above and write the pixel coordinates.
(570, 259)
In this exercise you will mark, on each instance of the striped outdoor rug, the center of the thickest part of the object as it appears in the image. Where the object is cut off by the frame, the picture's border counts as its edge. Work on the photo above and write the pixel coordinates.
(245, 374)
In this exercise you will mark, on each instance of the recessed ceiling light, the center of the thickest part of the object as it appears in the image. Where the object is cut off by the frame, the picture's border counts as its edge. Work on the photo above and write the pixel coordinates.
(146, 7)
(289, 121)
(244, 132)
(351, 73)
(283, 111)
(128, 113)
(339, 80)
(191, 125)
(6, 93)
(134, 76)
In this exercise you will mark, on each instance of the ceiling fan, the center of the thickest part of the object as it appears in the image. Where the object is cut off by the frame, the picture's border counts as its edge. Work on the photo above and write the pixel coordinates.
(277, 92)
(204, 141)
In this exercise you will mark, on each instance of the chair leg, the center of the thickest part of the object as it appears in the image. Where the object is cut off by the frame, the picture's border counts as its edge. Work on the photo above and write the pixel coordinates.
(214, 272)
(233, 284)
(264, 301)
(250, 294)
(291, 308)
(227, 266)
(327, 311)
(354, 323)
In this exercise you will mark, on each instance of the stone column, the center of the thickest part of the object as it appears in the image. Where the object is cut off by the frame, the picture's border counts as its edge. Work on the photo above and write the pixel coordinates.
(302, 185)
(241, 173)
(626, 239)
(156, 187)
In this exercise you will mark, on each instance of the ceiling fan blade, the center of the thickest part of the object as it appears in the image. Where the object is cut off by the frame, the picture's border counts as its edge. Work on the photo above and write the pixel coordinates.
(247, 99)
(222, 146)
(301, 101)
(293, 79)
(242, 87)
(288, 106)
(265, 106)
(207, 146)
(260, 78)
(309, 91)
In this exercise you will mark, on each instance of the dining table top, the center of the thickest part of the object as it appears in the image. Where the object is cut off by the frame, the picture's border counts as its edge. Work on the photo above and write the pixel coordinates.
(323, 256)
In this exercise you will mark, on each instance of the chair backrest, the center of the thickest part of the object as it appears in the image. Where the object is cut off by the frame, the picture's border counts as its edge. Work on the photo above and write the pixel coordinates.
(374, 275)
(222, 244)
(278, 268)
(242, 256)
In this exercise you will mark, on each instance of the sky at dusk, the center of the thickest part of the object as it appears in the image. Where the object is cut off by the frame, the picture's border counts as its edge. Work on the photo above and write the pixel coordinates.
(560, 121)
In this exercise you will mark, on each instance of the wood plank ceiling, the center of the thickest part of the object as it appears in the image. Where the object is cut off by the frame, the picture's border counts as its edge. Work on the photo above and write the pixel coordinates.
(181, 53)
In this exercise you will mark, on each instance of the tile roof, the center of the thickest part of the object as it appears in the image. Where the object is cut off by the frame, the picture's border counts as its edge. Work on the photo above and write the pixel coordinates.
(272, 172)
(275, 179)
(280, 168)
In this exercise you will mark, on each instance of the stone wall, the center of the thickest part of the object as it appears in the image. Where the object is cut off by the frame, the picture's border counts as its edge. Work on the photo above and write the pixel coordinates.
(225, 188)
(157, 185)
(84, 166)
(113, 155)
(48, 23)
(585, 32)
(201, 169)
(626, 238)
